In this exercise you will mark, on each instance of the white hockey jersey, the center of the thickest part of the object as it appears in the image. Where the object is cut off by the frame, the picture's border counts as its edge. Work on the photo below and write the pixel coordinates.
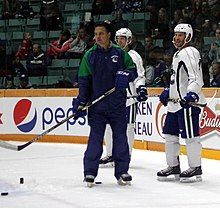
(140, 80)
(186, 76)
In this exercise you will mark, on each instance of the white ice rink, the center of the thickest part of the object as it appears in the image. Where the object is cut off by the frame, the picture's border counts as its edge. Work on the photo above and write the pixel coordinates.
(53, 177)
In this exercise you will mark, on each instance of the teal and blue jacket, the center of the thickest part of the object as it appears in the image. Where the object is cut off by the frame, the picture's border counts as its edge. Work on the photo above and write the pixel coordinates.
(97, 75)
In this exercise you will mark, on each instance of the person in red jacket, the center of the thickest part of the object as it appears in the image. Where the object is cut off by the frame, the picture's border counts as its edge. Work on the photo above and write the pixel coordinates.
(59, 47)
(25, 48)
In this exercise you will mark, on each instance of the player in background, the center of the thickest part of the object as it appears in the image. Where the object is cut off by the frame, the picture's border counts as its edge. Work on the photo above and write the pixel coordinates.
(105, 66)
(137, 88)
(182, 117)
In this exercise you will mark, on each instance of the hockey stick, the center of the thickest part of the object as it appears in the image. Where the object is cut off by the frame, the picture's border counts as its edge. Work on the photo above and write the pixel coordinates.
(21, 147)
(135, 96)
(176, 100)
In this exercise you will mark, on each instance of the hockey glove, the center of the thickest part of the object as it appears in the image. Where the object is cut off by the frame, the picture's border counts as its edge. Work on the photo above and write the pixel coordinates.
(77, 108)
(142, 93)
(164, 96)
(190, 97)
(122, 79)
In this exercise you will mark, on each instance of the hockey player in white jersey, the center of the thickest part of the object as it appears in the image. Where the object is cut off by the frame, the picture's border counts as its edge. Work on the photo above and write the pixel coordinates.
(136, 89)
(183, 117)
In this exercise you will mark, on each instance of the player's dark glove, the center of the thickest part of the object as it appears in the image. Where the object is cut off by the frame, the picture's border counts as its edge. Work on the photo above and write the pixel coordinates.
(142, 93)
(77, 108)
(191, 97)
(122, 79)
(164, 96)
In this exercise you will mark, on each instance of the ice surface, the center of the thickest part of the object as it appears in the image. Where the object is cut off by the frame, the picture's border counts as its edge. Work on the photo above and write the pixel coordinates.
(53, 175)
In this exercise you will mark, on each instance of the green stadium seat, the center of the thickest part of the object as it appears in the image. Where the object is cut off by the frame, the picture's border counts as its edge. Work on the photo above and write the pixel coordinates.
(209, 40)
(104, 17)
(159, 43)
(3, 24)
(39, 37)
(71, 70)
(32, 25)
(16, 25)
(57, 67)
(73, 23)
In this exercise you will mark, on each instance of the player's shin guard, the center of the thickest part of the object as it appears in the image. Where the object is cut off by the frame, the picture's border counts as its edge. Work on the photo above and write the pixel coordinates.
(172, 149)
(193, 149)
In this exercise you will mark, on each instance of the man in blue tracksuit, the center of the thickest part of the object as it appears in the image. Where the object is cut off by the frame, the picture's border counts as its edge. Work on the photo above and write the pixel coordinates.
(103, 67)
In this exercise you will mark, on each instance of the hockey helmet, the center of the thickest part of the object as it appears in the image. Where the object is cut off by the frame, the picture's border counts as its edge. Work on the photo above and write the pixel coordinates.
(185, 28)
(125, 32)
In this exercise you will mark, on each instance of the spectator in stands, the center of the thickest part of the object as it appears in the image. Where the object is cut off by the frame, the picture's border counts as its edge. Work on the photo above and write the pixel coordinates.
(157, 4)
(131, 5)
(50, 15)
(9, 82)
(37, 62)
(25, 48)
(215, 13)
(163, 23)
(162, 68)
(25, 11)
(5, 62)
(149, 46)
(17, 67)
(137, 46)
(117, 23)
(216, 75)
(78, 45)
(59, 47)
(24, 82)
(10, 8)
(202, 21)
(178, 15)
(214, 53)
(102, 7)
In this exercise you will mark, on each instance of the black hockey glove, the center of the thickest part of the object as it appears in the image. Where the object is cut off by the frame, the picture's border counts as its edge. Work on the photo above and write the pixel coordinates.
(164, 96)
(142, 93)
(122, 79)
(191, 97)
(77, 108)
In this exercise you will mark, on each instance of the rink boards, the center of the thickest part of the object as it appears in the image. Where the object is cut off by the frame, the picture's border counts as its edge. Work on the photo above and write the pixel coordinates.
(24, 114)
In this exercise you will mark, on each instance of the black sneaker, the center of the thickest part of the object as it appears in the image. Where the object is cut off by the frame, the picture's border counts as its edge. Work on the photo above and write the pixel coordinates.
(89, 179)
(108, 160)
(125, 179)
(191, 175)
(164, 174)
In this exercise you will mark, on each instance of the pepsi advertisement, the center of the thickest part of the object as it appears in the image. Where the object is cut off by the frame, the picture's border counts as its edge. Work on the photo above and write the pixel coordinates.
(35, 115)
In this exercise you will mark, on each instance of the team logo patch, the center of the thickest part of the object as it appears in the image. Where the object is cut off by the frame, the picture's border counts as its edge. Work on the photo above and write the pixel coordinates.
(25, 115)
(114, 58)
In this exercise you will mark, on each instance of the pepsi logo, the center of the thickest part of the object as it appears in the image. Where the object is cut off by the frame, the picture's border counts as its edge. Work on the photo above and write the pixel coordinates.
(25, 115)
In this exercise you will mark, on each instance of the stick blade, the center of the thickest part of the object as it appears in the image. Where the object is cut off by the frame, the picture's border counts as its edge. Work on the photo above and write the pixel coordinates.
(7, 145)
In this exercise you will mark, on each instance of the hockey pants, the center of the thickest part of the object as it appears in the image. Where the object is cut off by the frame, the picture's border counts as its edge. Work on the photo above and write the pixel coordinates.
(93, 153)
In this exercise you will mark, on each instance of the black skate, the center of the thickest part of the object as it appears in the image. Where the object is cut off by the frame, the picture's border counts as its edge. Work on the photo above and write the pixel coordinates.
(191, 175)
(125, 179)
(168, 173)
(106, 162)
(89, 179)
